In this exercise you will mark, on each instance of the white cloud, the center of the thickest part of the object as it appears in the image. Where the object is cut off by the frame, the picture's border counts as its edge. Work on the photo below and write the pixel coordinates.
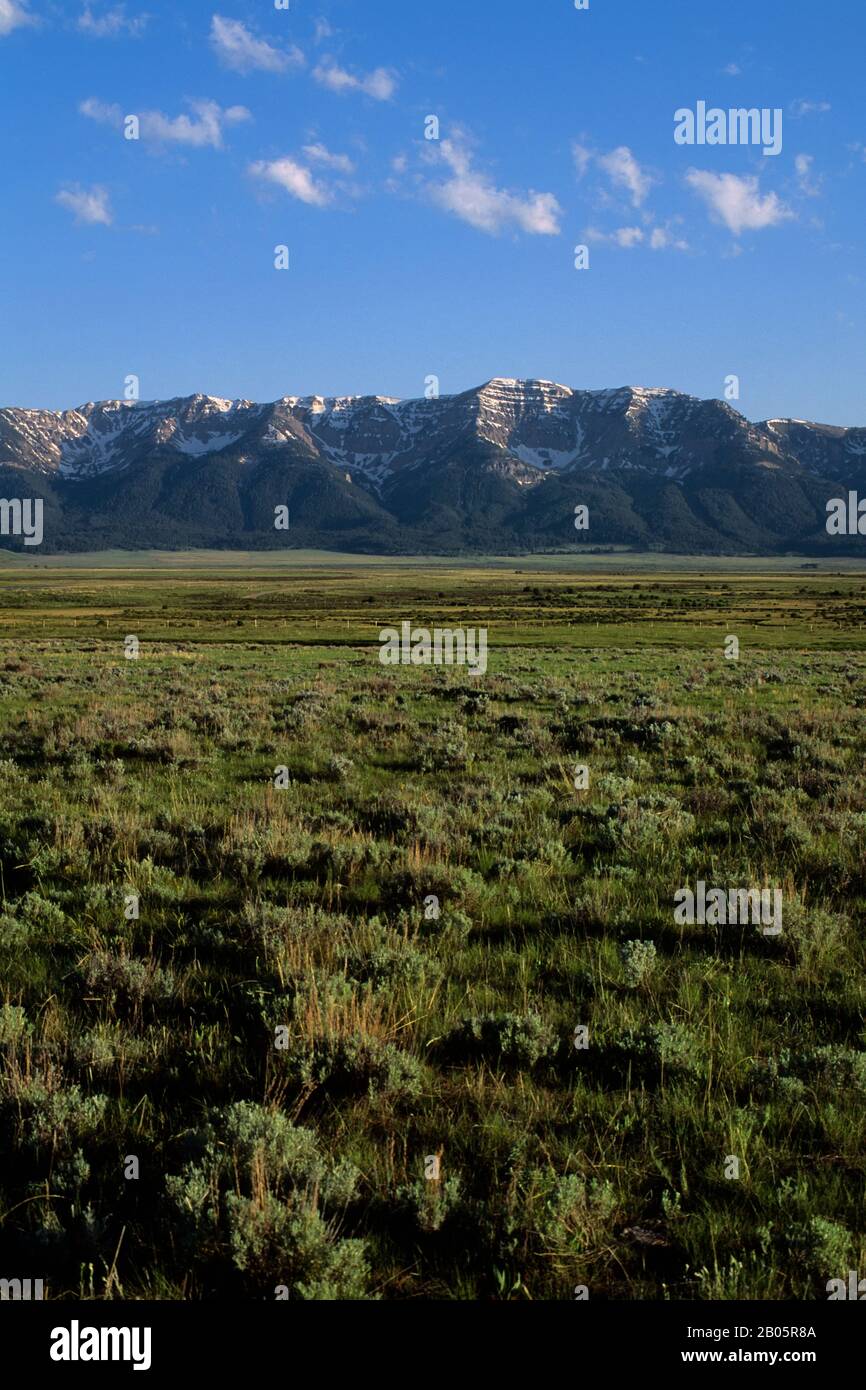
(111, 23)
(809, 108)
(809, 186)
(380, 84)
(240, 50)
(323, 31)
(626, 237)
(657, 238)
(89, 205)
(399, 164)
(473, 197)
(204, 128)
(319, 154)
(732, 70)
(623, 170)
(663, 239)
(13, 15)
(96, 110)
(582, 158)
(292, 177)
(737, 202)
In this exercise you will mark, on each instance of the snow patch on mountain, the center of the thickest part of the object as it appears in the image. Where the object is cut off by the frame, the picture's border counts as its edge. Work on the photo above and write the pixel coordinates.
(527, 430)
(213, 445)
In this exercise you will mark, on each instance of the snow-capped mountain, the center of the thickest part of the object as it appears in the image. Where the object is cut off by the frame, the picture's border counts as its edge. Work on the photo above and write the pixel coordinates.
(496, 466)
(104, 435)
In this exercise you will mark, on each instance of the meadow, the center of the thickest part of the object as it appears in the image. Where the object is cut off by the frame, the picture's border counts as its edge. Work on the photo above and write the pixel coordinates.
(420, 1024)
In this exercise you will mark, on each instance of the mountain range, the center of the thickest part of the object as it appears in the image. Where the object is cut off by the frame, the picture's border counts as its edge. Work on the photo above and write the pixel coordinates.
(497, 469)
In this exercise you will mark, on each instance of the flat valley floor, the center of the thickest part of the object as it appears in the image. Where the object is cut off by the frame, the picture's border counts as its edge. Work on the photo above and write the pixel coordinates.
(323, 976)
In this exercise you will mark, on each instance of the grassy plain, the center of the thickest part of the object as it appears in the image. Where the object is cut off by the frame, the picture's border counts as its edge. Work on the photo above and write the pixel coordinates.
(287, 1031)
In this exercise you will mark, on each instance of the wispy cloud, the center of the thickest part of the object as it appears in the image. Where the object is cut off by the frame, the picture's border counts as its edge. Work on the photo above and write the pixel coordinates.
(202, 129)
(472, 196)
(808, 185)
(294, 178)
(808, 108)
(111, 23)
(108, 113)
(319, 154)
(323, 31)
(625, 237)
(582, 158)
(380, 84)
(737, 201)
(14, 15)
(663, 239)
(624, 171)
(732, 70)
(239, 49)
(89, 206)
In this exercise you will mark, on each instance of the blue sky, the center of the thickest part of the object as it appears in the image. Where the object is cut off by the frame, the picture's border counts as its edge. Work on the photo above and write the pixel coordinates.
(411, 257)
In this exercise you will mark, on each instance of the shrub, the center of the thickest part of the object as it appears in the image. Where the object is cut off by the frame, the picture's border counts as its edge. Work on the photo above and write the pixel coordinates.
(58, 1117)
(254, 1200)
(639, 960)
(515, 1039)
(431, 1203)
(339, 767)
(127, 980)
(577, 1216)
(662, 1044)
(14, 1027)
(446, 749)
(825, 1247)
(389, 962)
(355, 1064)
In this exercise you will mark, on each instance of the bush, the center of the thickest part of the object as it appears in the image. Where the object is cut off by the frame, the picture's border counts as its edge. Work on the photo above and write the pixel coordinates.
(339, 767)
(430, 1202)
(254, 1200)
(663, 1044)
(354, 1065)
(518, 1040)
(824, 1246)
(446, 749)
(639, 962)
(577, 1216)
(59, 1117)
(14, 1027)
(127, 980)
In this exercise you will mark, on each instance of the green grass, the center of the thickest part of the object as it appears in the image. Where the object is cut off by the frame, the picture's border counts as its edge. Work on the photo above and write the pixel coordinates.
(616, 560)
(407, 1034)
